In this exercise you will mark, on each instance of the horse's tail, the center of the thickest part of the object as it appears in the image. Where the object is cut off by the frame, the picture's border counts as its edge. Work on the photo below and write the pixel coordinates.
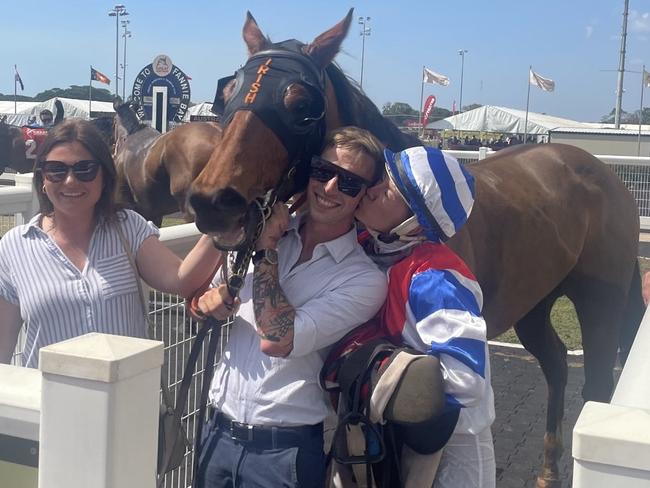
(632, 315)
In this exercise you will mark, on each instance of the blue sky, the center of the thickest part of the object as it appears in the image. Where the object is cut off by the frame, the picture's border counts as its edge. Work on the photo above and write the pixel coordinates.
(573, 42)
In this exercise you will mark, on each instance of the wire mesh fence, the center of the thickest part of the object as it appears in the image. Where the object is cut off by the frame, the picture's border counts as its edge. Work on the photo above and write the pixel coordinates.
(177, 329)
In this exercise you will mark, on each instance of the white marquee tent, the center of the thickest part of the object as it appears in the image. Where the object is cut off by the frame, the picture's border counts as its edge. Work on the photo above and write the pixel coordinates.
(490, 118)
(71, 106)
(203, 108)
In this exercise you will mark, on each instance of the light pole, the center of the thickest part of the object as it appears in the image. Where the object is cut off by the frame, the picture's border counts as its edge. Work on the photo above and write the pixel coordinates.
(365, 32)
(462, 53)
(117, 11)
(125, 35)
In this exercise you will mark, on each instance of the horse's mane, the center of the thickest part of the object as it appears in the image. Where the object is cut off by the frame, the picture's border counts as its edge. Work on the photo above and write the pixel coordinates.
(357, 109)
(104, 125)
(129, 119)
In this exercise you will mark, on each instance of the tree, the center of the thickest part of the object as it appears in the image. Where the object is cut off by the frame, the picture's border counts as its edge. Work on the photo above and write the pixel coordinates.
(625, 117)
(398, 108)
(75, 91)
(471, 106)
(400, 113)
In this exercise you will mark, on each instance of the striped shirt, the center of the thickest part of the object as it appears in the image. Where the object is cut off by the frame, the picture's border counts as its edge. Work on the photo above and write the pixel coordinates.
(57, 301)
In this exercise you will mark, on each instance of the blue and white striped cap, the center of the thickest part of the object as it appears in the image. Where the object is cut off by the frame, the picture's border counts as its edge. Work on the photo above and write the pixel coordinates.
(438, 189)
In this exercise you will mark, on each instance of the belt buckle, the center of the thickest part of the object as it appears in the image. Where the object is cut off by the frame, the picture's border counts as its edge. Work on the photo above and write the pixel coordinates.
(237, 427)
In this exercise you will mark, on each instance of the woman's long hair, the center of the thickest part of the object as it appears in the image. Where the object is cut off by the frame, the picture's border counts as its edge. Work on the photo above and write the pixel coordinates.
(85, 133)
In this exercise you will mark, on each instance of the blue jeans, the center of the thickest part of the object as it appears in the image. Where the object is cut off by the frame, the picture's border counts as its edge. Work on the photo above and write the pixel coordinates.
(228, 463)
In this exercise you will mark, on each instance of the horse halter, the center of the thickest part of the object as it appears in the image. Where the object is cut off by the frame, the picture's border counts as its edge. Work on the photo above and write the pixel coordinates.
(260, 87)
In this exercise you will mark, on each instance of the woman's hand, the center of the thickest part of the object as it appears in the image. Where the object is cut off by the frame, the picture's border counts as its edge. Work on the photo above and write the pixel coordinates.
(274, 228)
(218, 303)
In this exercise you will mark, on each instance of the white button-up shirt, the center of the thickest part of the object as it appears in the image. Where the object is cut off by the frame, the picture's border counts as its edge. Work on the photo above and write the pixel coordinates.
(57, 300)
(338, 289)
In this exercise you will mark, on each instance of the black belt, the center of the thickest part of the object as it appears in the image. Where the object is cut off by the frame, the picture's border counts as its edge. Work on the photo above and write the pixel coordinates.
(262, 436)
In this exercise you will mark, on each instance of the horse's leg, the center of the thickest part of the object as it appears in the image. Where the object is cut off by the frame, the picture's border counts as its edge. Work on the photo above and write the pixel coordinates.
(600, 310)
(539, 338)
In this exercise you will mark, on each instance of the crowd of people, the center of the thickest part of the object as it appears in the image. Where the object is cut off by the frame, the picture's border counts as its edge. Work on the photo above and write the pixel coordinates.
(364, 264)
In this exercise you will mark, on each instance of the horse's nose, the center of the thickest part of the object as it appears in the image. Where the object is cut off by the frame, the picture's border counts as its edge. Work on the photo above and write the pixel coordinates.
(220, 212)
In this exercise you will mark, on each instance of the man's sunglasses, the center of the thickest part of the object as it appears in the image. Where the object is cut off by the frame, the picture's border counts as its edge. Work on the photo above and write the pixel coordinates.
(56, 171)
(348, 183)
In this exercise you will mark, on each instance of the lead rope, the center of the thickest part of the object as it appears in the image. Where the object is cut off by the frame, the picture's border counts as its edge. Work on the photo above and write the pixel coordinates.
(234, 277)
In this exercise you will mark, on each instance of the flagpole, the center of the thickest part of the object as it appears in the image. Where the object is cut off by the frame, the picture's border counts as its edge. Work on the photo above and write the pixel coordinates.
(638, 141)
(90, 93)
(530, 68)
(420, 108)
(15, 92)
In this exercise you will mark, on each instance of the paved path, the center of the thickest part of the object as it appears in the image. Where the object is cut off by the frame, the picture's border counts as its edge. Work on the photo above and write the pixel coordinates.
(520, 404)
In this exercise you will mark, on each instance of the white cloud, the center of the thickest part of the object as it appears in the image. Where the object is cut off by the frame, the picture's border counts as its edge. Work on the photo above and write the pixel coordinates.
(639, 22)
(589, 31)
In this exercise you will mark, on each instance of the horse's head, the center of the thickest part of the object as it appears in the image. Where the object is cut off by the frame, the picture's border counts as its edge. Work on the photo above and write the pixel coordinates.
(273, 111)
(125, 123)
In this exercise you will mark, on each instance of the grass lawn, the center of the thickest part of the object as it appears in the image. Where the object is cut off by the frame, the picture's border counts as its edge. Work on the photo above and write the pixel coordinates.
(564, 319)
(170, 220)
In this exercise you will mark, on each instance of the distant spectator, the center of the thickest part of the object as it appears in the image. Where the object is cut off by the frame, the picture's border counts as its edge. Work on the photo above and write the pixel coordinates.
(47, 118)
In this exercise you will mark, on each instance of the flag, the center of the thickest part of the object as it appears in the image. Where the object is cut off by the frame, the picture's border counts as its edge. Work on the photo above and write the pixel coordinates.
(18, 79)
(646, 78)
(97, 76)
(545, 84)
(432, 77)
(426, 111)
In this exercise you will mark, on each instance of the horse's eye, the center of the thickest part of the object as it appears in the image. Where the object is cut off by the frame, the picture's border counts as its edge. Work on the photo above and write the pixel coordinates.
(298, 101)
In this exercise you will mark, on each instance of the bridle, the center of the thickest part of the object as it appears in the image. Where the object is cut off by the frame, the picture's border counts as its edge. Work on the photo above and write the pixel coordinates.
(260, 86)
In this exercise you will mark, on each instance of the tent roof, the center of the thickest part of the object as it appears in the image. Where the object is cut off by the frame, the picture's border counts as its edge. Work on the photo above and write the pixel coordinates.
(72, 107)
(203, 108)
(490, 118)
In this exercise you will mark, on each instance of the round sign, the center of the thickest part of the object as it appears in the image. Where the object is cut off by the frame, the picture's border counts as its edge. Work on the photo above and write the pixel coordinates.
(162, 65)
(162, 73)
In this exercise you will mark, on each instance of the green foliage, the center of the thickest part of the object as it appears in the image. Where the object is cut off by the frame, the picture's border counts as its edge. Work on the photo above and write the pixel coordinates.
(398, 108)
(75, 91)
(10, 98)
(628, 117)
(471, 106)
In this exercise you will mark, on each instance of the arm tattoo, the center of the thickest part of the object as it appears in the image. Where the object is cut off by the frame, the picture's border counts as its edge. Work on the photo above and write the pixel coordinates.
(273, 313)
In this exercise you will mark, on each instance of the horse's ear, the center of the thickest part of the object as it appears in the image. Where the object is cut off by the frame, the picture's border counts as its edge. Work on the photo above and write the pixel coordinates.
(117, 101)
(253, 37)
(324, 48)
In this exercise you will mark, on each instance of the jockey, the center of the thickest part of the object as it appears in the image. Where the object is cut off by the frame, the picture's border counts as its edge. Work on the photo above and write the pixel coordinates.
(433, 388)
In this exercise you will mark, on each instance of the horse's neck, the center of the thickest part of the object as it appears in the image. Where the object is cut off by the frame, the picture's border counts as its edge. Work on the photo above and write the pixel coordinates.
(364, 114)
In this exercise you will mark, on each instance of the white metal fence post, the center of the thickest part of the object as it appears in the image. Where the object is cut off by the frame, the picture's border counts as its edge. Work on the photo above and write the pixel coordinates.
(99, 412)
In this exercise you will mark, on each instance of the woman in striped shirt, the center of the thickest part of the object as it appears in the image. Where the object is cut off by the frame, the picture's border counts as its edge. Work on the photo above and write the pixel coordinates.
(66, 272)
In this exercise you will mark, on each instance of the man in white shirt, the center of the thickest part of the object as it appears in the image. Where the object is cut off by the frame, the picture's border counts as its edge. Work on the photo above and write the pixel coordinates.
(311, 284)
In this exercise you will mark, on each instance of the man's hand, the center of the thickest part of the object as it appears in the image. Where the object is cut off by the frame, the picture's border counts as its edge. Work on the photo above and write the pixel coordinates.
(646, 287)
(218, 303)
(274, 228)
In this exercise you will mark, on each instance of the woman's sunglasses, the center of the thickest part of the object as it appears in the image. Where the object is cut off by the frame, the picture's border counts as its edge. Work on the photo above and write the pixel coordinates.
(348, 183)
(56, 171)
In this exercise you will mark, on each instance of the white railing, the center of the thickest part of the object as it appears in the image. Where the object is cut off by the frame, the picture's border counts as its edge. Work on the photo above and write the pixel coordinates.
(88, 418)
(611, 441)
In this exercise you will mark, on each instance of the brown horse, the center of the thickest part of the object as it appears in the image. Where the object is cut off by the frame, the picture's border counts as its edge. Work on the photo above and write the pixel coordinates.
(548, 219)
(155, 170)
(14, 152)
